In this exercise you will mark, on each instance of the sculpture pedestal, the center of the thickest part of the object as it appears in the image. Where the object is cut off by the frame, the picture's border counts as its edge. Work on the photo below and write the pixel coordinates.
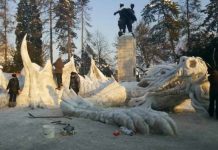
(126, 62)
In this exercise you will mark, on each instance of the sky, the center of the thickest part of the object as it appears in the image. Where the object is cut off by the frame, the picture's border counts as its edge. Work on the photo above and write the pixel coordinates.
(103, 20)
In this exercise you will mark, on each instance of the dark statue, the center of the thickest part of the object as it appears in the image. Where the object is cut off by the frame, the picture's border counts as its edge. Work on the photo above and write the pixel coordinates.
(127, 18)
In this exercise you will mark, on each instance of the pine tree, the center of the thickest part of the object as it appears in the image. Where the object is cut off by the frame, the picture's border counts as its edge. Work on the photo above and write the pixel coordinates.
(146, 52)
(164, 15)
(85, 63)
(211, 21)
(23, 18)
(35, 34)
(65, 25)
(190, 19)
(28, 22)
(47, 10)
(82, 11)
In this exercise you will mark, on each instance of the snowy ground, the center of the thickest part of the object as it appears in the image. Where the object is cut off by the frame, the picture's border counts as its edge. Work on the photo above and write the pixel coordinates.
(20, 132)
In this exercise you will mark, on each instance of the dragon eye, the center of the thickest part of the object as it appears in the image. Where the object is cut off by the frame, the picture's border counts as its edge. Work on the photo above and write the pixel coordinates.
(192, 64)
(162, 72)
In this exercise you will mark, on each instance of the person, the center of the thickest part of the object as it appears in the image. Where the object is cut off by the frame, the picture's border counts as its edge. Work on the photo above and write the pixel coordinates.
(121, 21)
(74, 82)
(14, 89)
(132, 19)
(213, 91)
(59, 65)
(132, 10)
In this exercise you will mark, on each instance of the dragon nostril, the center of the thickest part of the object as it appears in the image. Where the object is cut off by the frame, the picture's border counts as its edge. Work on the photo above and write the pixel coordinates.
(192, 64)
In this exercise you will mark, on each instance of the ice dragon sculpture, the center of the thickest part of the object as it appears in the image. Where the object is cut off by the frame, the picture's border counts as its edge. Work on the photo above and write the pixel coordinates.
(164, 88)
(168, 85)
(105, 100)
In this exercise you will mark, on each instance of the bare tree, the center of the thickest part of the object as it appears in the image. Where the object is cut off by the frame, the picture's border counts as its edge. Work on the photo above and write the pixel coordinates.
(101, 48)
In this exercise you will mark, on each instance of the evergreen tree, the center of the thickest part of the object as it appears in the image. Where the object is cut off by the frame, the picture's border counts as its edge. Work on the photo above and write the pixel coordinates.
(65, 25)
(206, 43)
(47, 10)
(82, 11)
(23, 19)
(164, 16)
(211, 21)
(205, 46)
(191, 14)
(35, 34)
(86, 56)
(28, 22)
(146, 52)
(85, 63)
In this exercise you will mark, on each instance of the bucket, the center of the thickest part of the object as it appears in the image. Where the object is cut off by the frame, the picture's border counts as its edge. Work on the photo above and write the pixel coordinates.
(49, 131)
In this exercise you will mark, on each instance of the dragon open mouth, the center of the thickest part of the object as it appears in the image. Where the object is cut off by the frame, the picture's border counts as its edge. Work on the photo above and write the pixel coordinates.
(174, 79)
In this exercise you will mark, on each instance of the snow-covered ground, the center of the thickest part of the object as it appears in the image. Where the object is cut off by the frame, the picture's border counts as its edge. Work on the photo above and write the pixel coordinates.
(22, 133)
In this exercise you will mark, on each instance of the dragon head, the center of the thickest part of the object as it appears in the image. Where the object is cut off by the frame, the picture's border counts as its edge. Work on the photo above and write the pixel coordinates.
(169, 85)
(171, 76)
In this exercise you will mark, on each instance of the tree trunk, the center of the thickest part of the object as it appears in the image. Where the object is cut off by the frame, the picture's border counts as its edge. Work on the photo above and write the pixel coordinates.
(5, 28)
(173, 49)
(188, 24)
(82, 29)
(69, 46)
(51, 42)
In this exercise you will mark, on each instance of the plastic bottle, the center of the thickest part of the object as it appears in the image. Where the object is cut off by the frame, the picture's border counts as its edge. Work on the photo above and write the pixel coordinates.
(126, 131)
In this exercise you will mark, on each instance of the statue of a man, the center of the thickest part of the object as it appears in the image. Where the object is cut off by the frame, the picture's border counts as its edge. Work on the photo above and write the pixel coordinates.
(127, 17)
(121, 21)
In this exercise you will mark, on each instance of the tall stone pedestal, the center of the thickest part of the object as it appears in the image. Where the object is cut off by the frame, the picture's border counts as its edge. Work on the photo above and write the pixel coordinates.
(126, 62)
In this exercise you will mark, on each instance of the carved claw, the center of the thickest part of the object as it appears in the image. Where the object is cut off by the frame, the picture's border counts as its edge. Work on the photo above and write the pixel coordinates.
(139, 119)
(142, 120)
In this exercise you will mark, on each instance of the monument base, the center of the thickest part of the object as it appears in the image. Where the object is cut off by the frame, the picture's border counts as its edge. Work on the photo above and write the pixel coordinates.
(126, 58)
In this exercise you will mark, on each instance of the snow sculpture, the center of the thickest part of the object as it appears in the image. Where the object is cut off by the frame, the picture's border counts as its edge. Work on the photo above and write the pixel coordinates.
(39, 85)
(97, 89)
(171, 85)
(102, 99)
(38, 90)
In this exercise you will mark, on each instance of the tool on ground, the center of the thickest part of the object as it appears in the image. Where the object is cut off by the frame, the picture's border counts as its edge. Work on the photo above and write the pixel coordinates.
(33, 116)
